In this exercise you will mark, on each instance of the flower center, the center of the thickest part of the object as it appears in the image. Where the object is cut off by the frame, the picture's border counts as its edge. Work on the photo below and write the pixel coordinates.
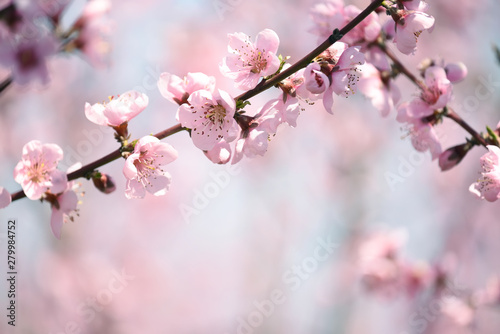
(259, 63)
(216, 114)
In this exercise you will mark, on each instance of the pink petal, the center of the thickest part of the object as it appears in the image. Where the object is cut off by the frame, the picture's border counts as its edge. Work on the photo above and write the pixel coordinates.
(94, 113)
(134, 189)
(267, 40)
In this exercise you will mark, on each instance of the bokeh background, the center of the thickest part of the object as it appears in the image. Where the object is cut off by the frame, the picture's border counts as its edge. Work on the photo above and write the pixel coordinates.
(327, 178)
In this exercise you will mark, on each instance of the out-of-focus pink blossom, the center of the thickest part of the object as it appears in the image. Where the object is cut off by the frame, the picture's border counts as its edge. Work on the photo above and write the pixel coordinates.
(5, 3)
(37, 173)
(458, 310)
(118, 110)
(210, 118)
(327, 16)
(143, 168)
(177, 90)
(248, 61)
(490, 295)
(94, 30)
(5, 198)
(27, 58)
(488, 185)
(367, 31)
(382, 92)
(409, 25)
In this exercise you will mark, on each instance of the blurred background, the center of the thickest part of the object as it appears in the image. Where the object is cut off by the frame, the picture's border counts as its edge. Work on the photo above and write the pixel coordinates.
(231, 264)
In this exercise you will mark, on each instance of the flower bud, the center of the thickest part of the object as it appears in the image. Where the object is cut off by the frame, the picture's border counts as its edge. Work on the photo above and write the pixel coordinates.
(104, 183)
(455, 72)
(452, 156)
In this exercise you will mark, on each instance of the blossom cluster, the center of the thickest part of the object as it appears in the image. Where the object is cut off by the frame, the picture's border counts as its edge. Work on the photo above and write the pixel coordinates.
(384, 272)
(228, 128)
(31, 32)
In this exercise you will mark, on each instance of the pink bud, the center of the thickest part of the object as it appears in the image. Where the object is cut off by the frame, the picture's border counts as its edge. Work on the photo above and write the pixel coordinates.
(456, 72)
(452, 156)
(104, 183)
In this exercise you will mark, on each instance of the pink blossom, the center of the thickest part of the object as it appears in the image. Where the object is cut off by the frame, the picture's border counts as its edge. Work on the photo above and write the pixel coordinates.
(437, 94)
(327, 16)
(409, 25)
(64, 204)
(251, 145)
(488, 185)
(5, 198)
(423, 136)
(276, 112)
(37, 173)
(458, 310)
(94, 31)
(249, 61)
(220, 153)
(382, 92)
(367, 31)
(210, 118)
(341, 64)
(27, 58)
(177, 90)
(143, 168)
(118, 110)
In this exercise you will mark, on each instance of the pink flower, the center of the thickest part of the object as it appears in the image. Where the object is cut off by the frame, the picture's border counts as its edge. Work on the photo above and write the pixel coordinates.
(37, 173)
(488, 186)
(94, 30)
(177, 90)
(436, 96)
(63, 204)
(118, 110)
(143, 168)
(255, 143)
(66, 204)
(5, 198)
(458, 310)
(423, 136)
(276, 112)
(340, 67)
(367, 31)
(382, 92)
(26, 58)
(409, 25)
(327, 16)
(251, 61)
(210, 118)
